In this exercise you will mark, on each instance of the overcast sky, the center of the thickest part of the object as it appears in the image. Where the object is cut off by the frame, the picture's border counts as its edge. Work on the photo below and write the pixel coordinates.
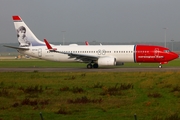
(93, 20)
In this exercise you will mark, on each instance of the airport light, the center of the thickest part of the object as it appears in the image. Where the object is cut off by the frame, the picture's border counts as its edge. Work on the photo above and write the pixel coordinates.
(172, 44)
(63, 36)
(165, 37)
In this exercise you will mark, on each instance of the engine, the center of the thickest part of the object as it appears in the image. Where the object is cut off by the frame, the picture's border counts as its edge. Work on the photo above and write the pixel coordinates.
(106, 61)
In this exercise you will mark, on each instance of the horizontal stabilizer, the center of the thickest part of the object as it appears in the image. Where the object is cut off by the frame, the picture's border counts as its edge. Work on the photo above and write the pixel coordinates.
(18, 48)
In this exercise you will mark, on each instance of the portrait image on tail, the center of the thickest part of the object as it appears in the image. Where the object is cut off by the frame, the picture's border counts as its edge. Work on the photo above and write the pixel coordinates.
(22, 38)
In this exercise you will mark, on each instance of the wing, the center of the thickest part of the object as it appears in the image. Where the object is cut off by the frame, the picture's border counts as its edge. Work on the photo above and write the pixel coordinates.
(78, 57)
(18, 48)
(82, 57)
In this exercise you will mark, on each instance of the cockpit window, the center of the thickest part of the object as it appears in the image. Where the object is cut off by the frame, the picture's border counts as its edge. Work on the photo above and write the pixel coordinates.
(167, 51)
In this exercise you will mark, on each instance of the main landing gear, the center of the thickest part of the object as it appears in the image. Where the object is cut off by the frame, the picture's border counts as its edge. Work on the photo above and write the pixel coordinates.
(95, 65)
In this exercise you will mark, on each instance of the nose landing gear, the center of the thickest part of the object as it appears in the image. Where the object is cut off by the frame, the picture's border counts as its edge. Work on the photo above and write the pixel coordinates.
(160, 64)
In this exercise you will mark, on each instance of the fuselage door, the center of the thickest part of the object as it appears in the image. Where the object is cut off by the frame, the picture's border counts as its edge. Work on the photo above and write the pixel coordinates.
(39, 52)
(156, 52)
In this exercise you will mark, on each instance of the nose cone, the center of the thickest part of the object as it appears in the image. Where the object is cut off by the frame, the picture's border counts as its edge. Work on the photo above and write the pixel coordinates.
(175, 55)
(172, 56)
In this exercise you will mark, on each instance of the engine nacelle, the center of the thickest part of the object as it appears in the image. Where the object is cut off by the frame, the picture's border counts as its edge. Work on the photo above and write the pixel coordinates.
(106, 61)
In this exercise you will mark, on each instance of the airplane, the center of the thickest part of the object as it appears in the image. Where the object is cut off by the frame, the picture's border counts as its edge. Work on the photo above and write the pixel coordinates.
(94, 55)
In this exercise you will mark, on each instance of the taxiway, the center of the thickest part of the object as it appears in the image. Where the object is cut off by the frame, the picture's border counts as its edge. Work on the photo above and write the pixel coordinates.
(88, 70)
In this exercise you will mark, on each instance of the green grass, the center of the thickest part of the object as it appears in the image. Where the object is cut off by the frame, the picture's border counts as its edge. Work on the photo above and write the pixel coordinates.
(92, 95)
(100, 95)
(42, 63)
(37, 63)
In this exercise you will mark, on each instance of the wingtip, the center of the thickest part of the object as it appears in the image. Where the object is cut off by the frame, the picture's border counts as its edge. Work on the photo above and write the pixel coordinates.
(86, 42)
(45, 40)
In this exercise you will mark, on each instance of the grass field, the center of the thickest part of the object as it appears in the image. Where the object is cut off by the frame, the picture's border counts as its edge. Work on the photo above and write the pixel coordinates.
(86, 96)
(74, 96)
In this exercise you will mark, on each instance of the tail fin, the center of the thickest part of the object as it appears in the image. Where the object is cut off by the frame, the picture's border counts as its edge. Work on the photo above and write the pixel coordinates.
(24, 34)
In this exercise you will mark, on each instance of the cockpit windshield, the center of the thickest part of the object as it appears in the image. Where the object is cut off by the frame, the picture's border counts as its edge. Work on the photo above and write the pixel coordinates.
(167, 51)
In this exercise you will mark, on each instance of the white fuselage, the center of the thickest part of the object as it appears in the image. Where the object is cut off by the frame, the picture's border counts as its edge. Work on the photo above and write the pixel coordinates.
(122, 53)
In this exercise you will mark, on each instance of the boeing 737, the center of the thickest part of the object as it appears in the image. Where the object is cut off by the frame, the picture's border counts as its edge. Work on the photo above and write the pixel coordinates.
(94, 55)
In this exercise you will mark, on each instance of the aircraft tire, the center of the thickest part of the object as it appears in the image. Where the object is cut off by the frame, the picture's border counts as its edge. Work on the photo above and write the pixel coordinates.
(95, 65)
(160, 66)
(89, 66)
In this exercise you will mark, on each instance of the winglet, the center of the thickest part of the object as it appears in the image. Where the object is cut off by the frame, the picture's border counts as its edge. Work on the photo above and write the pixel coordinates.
(86, 42)
(49, 46)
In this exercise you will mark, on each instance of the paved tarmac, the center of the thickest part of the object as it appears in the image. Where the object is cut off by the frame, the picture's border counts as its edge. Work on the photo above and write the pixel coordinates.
(88, 70)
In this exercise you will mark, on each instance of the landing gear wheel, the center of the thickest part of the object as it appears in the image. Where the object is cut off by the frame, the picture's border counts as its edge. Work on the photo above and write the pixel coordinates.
(160, 66)
(95, 65)
(89, 66)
